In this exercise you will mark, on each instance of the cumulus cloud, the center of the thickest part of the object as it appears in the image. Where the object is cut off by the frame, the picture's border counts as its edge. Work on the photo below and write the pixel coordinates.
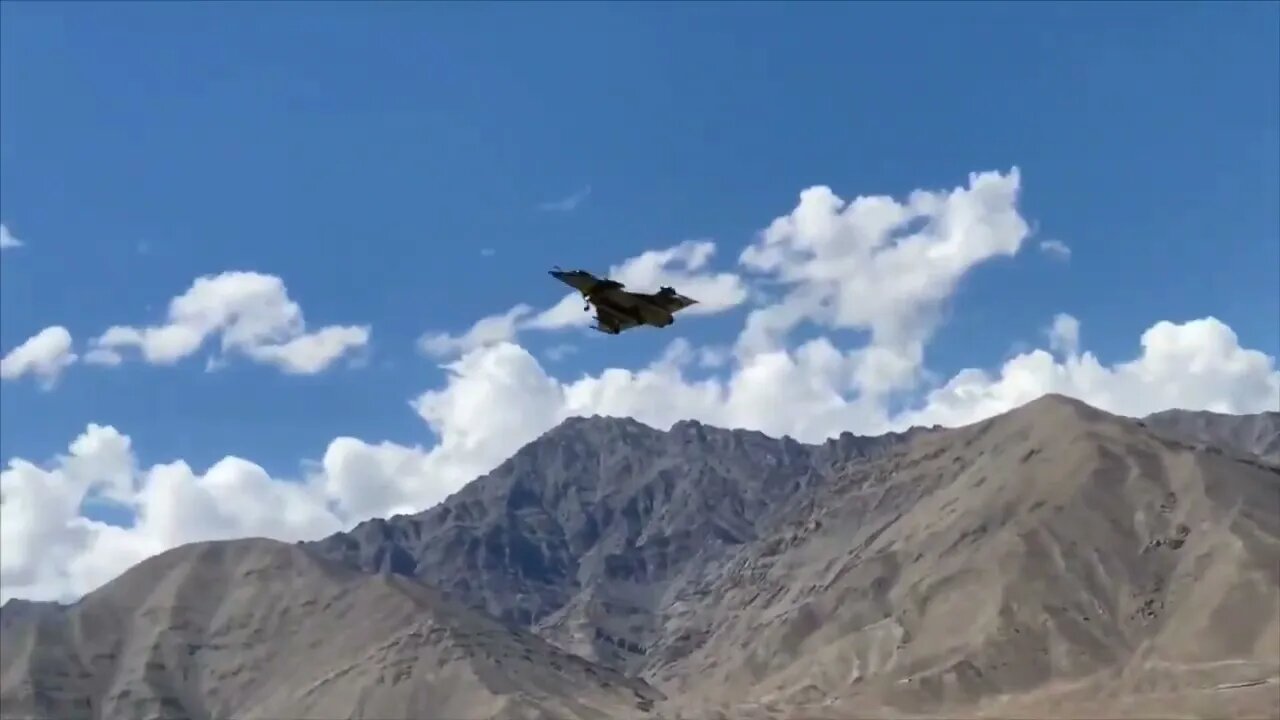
(1064, 334)
(1196, 365)
(7, 240)
(251, 314)
(44, 355)
(1055, 249)
(496, 396)
(50, 551)
(499, 397)
(880, 265)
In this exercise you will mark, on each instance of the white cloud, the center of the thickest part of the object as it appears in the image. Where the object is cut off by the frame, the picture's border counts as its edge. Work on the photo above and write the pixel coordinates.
(496, 396)
(486, 331)
(714, 357)
(1197, 365)
(250, 312)
(1064, 334)
(7, 240)
(48, 550)
(1056, 249)
(559, 352)
(104, 357)
(569, 203)
(880, 265)
(683, 267)
(44, 355)
(311, 353)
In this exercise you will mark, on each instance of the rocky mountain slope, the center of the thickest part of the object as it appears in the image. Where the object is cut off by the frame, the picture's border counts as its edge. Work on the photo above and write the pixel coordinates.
(1054, 561)
(1054, 553)
(589, 532)
(1050, 548)
(1254, 434)
(261, 629)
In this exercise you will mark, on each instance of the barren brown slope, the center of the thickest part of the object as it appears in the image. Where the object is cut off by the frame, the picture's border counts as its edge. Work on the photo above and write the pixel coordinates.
(261, 629)
(1055, 559)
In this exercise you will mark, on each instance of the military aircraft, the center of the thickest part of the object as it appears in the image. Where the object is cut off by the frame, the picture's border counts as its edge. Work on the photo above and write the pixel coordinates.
(618, 309)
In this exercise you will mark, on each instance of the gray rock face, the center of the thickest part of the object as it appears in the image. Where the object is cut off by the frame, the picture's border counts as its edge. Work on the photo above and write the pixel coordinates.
(588, 532)
(1257, 434)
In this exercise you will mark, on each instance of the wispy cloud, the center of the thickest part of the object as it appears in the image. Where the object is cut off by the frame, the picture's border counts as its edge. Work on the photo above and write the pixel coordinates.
(7, 240)
(567, 204)
(1056, 249)
(44, 355)
(555, 353)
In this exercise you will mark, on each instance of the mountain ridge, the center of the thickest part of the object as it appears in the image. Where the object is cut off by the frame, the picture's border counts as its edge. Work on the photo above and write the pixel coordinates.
(925, 550)
(1055, 559)
(638, 613)
(1256, 434)
(540, 527)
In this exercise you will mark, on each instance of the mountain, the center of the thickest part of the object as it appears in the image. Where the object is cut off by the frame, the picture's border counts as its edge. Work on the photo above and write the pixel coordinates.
(592, 531)
(1055, 555)
(18, 611)
(1053, 561)
(261, 629)
(1257, 434)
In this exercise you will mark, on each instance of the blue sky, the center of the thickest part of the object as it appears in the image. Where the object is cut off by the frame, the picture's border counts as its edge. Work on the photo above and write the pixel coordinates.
(367, 154)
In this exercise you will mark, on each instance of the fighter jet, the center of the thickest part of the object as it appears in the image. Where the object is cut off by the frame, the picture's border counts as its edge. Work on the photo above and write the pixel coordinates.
(618, 309)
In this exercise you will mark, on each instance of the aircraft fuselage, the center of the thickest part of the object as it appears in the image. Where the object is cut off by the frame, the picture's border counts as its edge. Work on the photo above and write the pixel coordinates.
(618, 309)
(623, 303)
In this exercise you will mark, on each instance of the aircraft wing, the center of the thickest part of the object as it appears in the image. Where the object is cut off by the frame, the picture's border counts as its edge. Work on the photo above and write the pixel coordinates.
(613, 322)
(583, 281)
(672, 302)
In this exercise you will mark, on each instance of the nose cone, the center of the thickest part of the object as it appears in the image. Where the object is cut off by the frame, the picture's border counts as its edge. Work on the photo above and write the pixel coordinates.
(569, 277)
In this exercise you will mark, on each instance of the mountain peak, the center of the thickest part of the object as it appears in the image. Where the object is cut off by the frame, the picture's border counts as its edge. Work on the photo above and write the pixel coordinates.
(1052, 411)
(597, 423)
(1056, 400)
